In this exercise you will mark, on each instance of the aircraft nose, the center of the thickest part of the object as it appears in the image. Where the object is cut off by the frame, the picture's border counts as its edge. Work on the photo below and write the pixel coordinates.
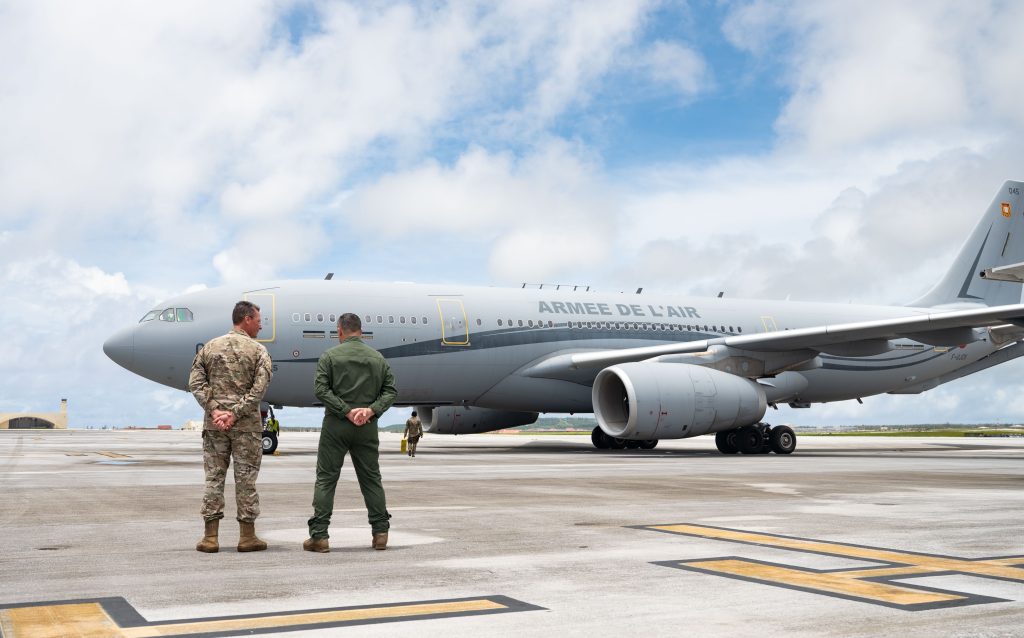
(120, 347)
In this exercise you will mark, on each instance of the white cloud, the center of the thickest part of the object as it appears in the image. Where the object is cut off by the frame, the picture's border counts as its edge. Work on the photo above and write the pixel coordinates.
(518, 204)
(56, 314)
(203, 122)
(678, 67)
(894, 71)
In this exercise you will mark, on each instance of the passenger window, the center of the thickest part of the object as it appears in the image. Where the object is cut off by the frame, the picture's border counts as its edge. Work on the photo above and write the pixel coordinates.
(320, 318)
(424, 321)
(391, 318)
(168, 315)
(551, 324)
(295, 317)
(478, 322)
(530, 323)
(184, 314)
(520, 323)
(306, 317)
(414, 319)
(380, 319)
(401, 319)
(334, 320)
(499, 322)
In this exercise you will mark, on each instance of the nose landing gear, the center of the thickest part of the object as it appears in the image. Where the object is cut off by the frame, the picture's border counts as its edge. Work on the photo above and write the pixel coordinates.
(271, 428)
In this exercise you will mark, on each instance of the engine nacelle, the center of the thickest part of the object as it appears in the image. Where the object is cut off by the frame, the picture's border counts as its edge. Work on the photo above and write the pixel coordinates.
(648, 400)
(460, 420)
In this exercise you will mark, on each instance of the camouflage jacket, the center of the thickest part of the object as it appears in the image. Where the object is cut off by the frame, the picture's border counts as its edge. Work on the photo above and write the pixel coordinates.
(354, 375)
(231, 372)
(413, 427)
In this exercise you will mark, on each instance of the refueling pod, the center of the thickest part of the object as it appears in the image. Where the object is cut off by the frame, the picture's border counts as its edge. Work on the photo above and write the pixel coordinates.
(468, 420)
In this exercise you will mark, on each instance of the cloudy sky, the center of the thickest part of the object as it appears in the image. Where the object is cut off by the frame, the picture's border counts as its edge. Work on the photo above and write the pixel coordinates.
(836, 151)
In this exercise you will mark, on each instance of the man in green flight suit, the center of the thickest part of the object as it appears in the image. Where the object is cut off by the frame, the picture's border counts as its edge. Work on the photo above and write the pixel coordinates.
(355, 384)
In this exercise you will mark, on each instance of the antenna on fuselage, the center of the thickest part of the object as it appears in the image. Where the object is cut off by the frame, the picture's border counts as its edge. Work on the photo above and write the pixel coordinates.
(329, 276)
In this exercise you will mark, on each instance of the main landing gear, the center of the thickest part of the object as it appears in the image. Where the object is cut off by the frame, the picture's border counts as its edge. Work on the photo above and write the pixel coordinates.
(604, 442)
(760, 438)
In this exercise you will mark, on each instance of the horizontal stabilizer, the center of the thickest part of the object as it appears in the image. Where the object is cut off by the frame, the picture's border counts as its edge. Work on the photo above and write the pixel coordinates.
(1013, 272)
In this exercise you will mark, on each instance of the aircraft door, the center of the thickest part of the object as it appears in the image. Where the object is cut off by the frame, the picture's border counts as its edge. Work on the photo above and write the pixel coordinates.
(454, 324)
(268, 314)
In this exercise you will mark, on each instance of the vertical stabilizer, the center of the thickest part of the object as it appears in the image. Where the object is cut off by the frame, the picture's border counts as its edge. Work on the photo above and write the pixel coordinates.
(997, 240)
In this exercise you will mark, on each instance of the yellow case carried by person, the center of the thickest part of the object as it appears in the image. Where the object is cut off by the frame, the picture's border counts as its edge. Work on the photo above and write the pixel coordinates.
(404, 443)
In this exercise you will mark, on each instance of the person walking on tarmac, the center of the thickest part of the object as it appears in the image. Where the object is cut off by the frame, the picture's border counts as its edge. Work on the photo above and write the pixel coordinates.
(413, 432)
(229, 377)
(355, 384)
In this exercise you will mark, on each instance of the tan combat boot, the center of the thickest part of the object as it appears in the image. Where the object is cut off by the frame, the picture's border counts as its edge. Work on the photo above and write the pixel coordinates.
(209, 542)
(380, 540)
(319, 545)
(247, 541)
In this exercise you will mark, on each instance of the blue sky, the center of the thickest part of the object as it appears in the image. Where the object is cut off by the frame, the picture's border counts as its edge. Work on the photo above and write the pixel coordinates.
(769, 149)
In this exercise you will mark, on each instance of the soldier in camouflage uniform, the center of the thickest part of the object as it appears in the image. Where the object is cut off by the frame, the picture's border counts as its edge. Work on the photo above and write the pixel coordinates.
(413, 433)
(229, 376)
(356, 386)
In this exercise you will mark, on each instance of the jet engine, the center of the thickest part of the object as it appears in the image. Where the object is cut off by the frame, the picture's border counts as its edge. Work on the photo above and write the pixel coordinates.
(461, 420)
(649, 400)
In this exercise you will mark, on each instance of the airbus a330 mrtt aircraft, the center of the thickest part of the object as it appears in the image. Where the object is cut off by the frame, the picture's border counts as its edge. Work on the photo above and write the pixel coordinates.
(474, 359)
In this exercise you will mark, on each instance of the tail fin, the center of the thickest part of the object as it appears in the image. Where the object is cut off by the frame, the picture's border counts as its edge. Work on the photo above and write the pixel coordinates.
(997, 240)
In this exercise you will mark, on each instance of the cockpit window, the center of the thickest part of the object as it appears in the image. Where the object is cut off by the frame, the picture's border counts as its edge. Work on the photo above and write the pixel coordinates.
(169, 314)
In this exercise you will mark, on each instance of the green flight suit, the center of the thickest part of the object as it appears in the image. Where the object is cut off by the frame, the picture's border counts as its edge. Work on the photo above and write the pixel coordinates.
(350, 375)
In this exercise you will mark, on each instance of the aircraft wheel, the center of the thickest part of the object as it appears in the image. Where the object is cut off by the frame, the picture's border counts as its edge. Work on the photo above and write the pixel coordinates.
(726, 442)
(649, 444)
(633, 445)
(749, 440)
(269, 442)
(782, 439)
(616, 444)
(599, 439)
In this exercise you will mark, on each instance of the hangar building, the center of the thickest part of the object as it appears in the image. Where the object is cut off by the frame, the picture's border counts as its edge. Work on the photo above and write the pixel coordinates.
(36, 420)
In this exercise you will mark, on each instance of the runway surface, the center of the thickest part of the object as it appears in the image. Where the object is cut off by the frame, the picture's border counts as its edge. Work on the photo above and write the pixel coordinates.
(502, 535)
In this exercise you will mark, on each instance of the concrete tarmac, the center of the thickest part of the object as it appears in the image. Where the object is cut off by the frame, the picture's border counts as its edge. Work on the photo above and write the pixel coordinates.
(522, 535)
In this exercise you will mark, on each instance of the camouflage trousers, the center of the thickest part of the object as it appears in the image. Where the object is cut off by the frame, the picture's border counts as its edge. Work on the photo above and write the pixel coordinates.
(411, 444)
(246, 448)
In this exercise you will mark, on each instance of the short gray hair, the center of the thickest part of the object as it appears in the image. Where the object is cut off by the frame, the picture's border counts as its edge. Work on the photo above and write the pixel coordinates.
(349, 323)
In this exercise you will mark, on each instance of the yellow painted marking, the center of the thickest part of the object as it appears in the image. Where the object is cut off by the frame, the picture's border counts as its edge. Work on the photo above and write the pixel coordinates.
(769, 323)
(835, 582)
(859, 583)
(266, 301)
(88, 620)
(875, 572)
(402, 611)
(931, 563)
(454, 308)
(114, 455)
(79, 620)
